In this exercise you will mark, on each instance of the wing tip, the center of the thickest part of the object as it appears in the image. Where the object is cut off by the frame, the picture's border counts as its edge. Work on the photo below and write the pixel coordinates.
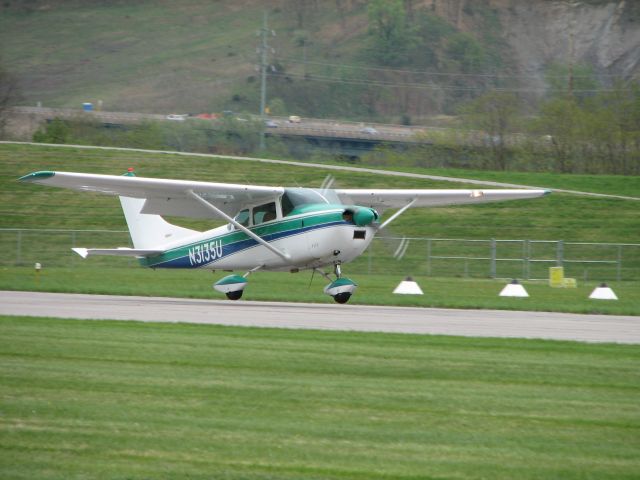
(35, 176)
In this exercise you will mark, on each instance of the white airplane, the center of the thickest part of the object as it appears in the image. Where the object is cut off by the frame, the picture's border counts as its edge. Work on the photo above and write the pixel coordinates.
(269, 228)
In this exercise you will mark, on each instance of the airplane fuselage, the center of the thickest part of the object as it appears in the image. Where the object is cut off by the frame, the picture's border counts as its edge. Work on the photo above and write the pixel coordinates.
(313, 239)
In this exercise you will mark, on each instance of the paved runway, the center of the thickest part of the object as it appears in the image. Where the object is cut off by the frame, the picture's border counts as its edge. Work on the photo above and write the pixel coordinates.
(437, 321)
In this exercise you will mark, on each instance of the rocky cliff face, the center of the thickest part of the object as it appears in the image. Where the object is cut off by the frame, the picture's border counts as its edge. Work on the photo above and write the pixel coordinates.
(604, 34)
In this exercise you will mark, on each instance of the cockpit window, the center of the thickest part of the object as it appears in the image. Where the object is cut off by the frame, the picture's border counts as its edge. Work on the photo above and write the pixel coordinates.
(297, 197)
(243, 218)
(287, 205)
(264, 213)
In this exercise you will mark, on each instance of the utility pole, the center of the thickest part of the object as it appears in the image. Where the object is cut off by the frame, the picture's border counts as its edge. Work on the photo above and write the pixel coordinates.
(571, 55)
(263, 77)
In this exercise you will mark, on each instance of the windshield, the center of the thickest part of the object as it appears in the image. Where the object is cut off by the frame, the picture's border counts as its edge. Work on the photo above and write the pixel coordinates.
(297, 197)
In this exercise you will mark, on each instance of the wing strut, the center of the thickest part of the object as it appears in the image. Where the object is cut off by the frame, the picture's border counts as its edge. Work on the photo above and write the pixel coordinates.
(220, 213)
(397, 214)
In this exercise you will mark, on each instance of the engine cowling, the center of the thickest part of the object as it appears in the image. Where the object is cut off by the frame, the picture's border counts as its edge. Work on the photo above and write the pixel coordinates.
(363, 216)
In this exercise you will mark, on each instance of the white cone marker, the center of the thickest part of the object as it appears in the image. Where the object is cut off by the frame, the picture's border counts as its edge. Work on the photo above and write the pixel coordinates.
(408, 287)
(514, 289)
(603, 292)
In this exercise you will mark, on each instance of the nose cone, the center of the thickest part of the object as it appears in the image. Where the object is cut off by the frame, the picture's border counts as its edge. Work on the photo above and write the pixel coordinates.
(364, 216)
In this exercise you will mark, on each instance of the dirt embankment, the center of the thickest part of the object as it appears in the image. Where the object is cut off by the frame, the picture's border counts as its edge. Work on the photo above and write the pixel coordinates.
(600, 33)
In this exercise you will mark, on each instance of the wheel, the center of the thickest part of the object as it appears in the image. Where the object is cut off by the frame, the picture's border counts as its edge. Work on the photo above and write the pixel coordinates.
(234, 295)
(342, 297)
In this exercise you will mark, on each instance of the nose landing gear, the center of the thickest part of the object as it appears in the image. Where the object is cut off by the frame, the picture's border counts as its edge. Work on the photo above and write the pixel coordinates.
(341, 288)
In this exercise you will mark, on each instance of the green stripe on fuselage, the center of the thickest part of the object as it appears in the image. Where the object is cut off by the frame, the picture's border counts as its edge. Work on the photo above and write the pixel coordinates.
(284, 225)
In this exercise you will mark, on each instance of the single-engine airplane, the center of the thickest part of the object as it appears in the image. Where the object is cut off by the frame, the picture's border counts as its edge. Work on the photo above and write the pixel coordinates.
(269, 228)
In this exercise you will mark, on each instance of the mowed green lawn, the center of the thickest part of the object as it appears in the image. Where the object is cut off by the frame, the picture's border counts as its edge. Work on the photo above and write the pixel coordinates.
(558, 216)
(302, 287)
(118, 400)
(554, 217)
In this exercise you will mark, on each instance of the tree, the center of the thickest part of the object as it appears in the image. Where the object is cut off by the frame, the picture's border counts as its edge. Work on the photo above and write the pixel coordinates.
(616, 127)
(495, 114)
(390, 31)
(576, 80)
(9, 96)
(56, 131)
(561, 120)
(465, 52)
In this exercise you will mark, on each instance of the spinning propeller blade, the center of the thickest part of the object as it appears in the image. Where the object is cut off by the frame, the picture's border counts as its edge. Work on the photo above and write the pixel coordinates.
(396, 244)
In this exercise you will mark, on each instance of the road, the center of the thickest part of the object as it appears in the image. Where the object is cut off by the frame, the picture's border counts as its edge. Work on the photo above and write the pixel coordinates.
(361, 318)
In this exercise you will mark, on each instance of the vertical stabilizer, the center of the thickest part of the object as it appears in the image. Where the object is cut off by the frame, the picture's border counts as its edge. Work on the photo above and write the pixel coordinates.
(150, 231)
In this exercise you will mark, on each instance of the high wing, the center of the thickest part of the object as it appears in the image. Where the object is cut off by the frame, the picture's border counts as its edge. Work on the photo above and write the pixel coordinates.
(180, 197)
(163, 197)
(381, 199)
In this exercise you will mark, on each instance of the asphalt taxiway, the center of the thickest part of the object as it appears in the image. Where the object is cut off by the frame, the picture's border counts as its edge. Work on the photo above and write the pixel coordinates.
(362, 318)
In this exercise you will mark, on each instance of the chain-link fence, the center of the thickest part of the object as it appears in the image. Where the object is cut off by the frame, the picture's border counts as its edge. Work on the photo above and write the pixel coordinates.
(491, 258)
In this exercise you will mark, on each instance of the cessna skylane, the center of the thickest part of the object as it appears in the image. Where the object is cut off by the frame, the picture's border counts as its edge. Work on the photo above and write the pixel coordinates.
(269, 228)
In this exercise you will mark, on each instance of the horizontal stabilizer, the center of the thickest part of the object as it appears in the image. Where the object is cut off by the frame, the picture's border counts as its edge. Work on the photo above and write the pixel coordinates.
(118, 252)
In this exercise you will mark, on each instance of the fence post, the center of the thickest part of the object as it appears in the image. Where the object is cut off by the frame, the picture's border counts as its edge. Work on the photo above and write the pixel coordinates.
(19, 249)
(493, 258)
(560, 253)
(73, 244)
(619, 265)
(525, 262)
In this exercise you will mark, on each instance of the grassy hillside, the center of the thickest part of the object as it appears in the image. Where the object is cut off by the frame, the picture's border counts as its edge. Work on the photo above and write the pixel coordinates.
(157, 56)
(150, 56)
(86, 399)
(199, 56)
(556, 217)
(565, 217)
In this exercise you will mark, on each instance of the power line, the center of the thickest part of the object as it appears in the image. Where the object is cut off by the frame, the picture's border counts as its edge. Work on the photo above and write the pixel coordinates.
(432, 86)
(431, 73)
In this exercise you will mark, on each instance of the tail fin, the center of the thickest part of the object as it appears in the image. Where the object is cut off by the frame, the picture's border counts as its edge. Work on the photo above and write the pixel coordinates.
(150, 231)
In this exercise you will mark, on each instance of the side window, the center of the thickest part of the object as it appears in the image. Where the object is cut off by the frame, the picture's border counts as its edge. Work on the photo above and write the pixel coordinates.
(243, 217)
(264, 213)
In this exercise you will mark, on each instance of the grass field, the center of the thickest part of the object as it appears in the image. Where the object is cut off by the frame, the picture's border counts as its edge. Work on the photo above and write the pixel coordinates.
(117, 400)
(372, 290)
(556, 217)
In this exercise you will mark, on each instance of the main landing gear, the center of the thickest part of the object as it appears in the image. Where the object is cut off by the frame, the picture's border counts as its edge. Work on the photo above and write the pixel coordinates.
(341, 288)
(233, 285)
